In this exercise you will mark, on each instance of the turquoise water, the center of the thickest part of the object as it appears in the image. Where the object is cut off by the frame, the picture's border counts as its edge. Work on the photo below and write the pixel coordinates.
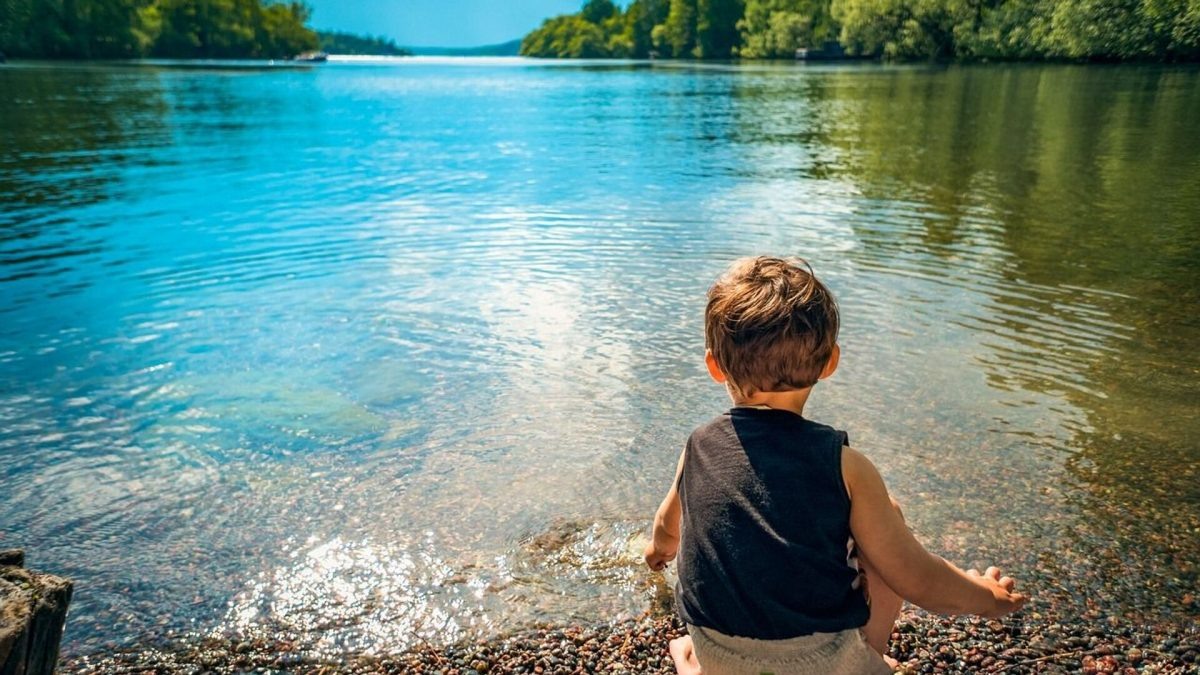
(375, 352)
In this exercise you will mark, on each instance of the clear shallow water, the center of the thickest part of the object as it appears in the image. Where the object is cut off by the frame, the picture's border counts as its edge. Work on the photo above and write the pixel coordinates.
(374, 351)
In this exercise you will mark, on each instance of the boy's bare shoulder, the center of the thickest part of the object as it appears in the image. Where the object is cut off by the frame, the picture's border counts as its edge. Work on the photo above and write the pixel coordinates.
(861, 475)
(852, 458)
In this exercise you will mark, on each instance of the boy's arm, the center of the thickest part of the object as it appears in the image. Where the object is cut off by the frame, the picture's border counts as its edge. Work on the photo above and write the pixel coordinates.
(915, 574)
(664, 541)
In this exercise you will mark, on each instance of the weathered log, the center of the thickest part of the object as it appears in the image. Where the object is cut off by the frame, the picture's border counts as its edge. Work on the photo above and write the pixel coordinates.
(33, 612)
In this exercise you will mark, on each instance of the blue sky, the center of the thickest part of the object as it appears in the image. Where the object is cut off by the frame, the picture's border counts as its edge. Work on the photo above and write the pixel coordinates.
(439, 23)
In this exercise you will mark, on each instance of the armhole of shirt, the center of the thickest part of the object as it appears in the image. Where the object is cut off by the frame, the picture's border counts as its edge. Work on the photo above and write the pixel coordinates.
(687, 450)
(843, 442)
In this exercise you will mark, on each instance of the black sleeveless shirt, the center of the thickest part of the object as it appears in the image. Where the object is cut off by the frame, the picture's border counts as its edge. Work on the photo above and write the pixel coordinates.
(766, 546)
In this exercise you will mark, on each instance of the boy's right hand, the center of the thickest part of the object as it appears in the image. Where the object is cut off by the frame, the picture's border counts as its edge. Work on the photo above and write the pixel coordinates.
(657, 558)
(1004, 600)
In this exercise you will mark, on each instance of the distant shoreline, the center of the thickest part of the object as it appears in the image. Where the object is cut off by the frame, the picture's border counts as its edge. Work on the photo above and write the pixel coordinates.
(510, 48)
(233, 62)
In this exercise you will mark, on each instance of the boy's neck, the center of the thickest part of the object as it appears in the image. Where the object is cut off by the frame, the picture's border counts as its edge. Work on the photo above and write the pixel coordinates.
(791, 401)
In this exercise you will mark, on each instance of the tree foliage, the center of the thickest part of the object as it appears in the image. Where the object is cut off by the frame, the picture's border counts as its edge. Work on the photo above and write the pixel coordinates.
(898, 29)
(336, 42)
(773, 29)
(1018, 29)
(600, 30)
(716, 28)
(596, 11)
(169, 28)
(676, 35)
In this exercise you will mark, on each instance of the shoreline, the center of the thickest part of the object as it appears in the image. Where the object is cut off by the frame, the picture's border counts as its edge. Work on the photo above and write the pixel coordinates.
(921, 643)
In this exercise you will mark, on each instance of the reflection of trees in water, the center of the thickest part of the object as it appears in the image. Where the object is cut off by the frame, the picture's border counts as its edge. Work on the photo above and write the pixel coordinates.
(77, 141)
(70, 132)
(66, 131)
(1068, 197)
(68, 135)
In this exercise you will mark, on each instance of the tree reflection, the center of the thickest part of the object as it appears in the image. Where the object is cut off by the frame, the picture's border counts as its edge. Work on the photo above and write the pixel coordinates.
(1068, 196)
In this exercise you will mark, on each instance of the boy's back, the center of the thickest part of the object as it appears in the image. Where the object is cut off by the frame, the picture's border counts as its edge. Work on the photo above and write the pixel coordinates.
(766, 540)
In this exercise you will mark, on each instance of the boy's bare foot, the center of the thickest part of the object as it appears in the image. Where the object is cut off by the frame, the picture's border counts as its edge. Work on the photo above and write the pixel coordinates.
(892, 663)
(684, 656)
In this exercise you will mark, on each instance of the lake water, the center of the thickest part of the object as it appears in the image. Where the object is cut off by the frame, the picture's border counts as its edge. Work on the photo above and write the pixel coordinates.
(375, 352)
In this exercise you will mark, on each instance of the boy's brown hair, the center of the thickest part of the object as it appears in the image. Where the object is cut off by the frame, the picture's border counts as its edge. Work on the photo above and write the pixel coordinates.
(771, 324)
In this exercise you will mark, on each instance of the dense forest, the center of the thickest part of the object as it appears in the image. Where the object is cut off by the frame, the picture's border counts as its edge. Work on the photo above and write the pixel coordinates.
(166, 28)
(510, 48)
(337, 42)
(1111, 30)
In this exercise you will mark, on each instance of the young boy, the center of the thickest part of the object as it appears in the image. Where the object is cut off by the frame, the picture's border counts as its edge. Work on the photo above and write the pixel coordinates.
(793, 558)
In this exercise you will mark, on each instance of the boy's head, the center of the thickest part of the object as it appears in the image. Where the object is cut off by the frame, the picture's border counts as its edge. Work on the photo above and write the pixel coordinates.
(770, 325)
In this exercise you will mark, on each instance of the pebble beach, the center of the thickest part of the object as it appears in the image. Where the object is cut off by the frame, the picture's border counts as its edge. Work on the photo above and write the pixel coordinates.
(921, 643)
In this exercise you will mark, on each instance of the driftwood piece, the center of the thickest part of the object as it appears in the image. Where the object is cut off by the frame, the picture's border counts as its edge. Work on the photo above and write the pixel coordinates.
(33, 612)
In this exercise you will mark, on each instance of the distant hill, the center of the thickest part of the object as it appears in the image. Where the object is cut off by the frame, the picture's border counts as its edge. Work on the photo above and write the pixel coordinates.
(511, 48)
(336, 42)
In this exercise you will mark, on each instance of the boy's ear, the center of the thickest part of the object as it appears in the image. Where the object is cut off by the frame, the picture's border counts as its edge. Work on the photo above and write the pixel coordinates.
(713, 369)
(832, 364)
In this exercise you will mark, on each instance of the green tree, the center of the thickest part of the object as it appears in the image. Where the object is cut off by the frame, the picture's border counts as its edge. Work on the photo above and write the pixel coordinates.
(172, 28)
(899, 29)
(676, 35)
(205, 29)
(596, 11)
(586, 40)
(337, 42)
(1185, 30)
(147, 28)
(70, 28)
(904, 29)
(600, 29)
(619, 32)
(1108, 29)
(232, 29)
(1016, 29)
(548, 40)
(1022, 29)
(641, 18)
(282, 31)
(716, 28)
(777, 28)
(567, 36)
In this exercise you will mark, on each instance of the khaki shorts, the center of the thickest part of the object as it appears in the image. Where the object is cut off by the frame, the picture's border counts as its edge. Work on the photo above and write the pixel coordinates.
(844, 653)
